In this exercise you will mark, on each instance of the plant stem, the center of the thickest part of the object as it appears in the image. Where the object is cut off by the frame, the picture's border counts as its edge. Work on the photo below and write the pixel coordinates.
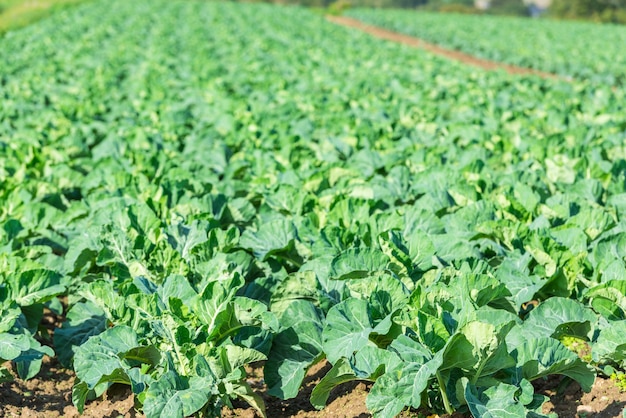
(444, 395)
(479, 372)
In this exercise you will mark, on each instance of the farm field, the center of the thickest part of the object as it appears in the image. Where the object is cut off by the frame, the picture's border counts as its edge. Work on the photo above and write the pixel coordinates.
(580, 50)
(451, 54)
(217, 208)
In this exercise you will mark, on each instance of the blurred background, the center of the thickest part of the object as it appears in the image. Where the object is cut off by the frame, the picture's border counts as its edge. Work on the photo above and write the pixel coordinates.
(611, 11)
(16, 13)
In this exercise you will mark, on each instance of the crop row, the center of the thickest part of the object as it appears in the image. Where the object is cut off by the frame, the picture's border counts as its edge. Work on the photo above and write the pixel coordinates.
(586, 51)
(197, 186)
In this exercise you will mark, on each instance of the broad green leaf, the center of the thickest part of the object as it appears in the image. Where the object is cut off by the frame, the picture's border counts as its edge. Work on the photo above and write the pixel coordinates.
(294, 349)
(610, 346)
(371, 362)
(560, 168)
(116, 376)
(145, 221)
(358, 263)
(82, 254)
(36, 286)
(415, 251)
(515, 275)
(184, 238)
(395, 248)
(11, 346)
(177, 288)
(214, 305)
(103, 294)
(8, 316)
(80, 391)
(486, 353)
(251, 312)
(430, 328)
(572, 237)
(286, 199)
(387, 398)
(593, 221)
(28, 363)
(297, 286)
(341, 372)
(454, 246)
(402, 386)
(459, 353)
(171, 396)
(348, 327)
(142, 355)
(539, 357)
(99, 356)
(240, 210)
(245, 392)
(486, 289)
(500, 401)
(240, 356)
(83, 320)
(609, 298)
(421, 250)
(271, 237)
(502, 319)
(556, 317)
(31, 317)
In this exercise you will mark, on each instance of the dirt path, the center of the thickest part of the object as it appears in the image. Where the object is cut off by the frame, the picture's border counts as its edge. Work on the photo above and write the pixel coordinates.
(436, 49)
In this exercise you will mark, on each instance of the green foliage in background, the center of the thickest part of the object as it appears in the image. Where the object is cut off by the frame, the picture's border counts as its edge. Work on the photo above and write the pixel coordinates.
(581, 50)
(613, 11)
(508, 7)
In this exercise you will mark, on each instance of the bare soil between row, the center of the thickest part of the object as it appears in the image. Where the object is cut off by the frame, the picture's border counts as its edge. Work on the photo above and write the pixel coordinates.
(452, 54)
(50, 395)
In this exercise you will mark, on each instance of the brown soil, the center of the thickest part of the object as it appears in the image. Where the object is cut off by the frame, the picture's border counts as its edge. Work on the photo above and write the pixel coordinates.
(345, 401)
(604, 401)
(436, 49)
(50, 395)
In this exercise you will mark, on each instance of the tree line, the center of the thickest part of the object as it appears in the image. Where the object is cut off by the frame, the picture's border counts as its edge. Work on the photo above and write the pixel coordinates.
(613, 11)
(597, 10)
